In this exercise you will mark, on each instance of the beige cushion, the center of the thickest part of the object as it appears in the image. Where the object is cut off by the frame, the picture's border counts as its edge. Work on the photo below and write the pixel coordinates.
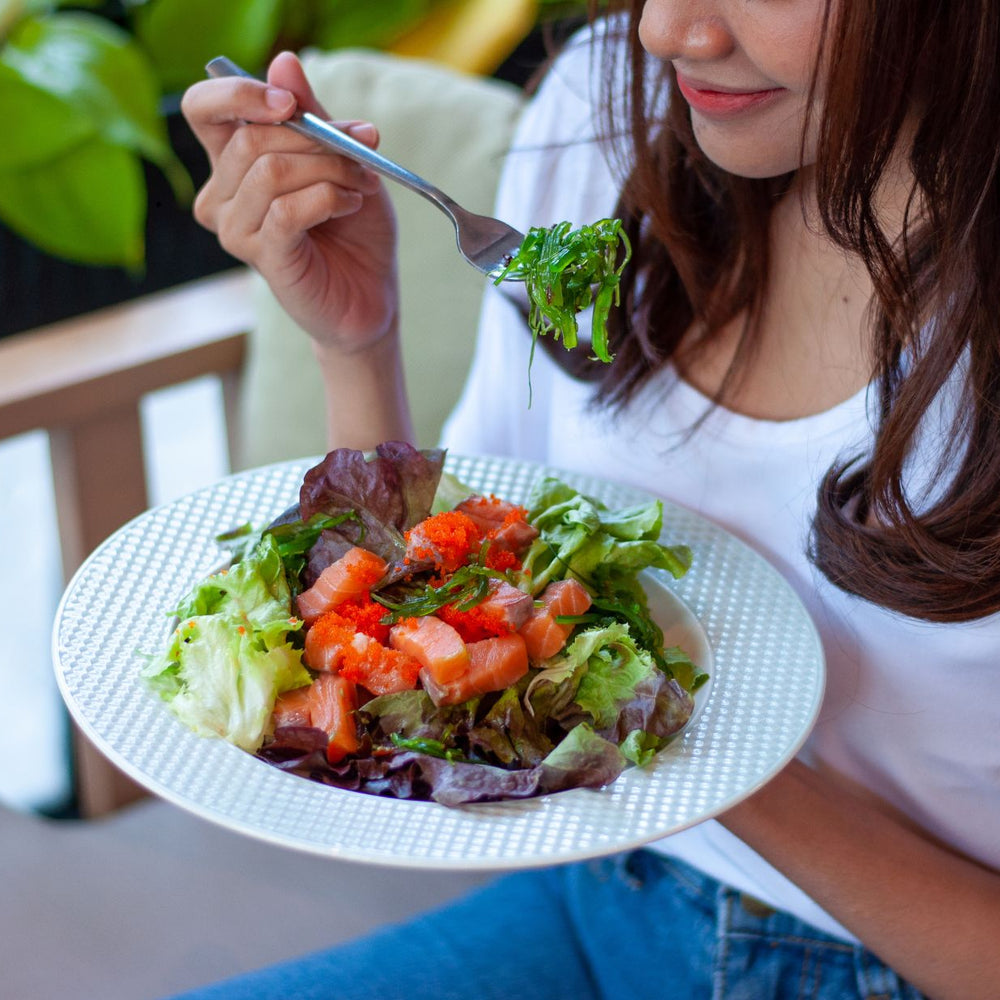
(453, 130)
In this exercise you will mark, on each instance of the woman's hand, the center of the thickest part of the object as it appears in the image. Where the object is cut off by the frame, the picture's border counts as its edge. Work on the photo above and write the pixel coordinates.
(318, 227)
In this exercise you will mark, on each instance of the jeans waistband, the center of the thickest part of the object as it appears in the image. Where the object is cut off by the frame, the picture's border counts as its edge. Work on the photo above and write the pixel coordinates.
(750, 934)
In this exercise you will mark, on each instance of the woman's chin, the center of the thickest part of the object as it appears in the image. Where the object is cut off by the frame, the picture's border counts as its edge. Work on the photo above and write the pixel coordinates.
(752, 154)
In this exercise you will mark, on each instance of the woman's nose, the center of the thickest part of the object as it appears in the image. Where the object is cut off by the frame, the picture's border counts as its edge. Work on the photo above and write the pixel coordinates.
(685, 29)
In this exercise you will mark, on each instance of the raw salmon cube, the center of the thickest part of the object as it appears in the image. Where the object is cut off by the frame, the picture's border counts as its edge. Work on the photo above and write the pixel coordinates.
(494, 664)
(333, 704)
(349, 578)
(436, 645)
(542, 634)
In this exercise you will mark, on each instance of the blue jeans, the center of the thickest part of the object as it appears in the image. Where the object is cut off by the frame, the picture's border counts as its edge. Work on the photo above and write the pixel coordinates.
(636, 925)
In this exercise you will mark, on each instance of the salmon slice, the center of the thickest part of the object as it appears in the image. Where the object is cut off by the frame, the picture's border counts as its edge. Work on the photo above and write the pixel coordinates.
(330, 640)
(503, 522)
(332, 710)
(506, 605)
(542, 634)
(504, 609)
(293, 708)
(382, 670)
(436, 645)
(327, 704)
(349, 578)
(494, 664)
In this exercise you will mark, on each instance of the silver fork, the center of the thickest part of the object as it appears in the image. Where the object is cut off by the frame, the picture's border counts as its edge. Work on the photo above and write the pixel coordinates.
(486, 243)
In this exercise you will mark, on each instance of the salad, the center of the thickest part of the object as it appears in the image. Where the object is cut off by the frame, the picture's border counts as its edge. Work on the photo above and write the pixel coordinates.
(398, 634)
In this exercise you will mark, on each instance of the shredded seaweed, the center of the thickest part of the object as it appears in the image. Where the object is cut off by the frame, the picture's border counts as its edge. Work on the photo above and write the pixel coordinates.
(564, 271)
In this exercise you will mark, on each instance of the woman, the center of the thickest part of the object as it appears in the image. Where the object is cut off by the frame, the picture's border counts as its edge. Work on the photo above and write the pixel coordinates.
(807, 354)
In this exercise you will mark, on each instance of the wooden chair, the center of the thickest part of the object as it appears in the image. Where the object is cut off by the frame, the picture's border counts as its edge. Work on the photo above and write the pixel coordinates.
(82, 380)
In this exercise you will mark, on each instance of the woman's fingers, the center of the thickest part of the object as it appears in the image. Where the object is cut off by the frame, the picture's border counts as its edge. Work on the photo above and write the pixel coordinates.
(263, 162)
(286, 74)
(239, 213)
(291, 215)
(216, 108)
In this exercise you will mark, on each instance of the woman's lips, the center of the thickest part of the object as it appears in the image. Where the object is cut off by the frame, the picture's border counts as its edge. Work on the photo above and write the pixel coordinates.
(723, 103)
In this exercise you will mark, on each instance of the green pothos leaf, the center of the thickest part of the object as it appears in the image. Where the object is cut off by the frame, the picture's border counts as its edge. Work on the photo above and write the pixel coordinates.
(103, 76)
(39, 125)
(88, 204)
(182, 35)
(349, 23)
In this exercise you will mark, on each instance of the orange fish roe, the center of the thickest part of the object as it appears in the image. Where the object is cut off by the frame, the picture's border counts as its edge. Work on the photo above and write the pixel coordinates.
(333, 644)
(513, 515)
(328, 641)
(365, 615)
(447, 539)
(365, 567)
(501, 560)
(475, 624)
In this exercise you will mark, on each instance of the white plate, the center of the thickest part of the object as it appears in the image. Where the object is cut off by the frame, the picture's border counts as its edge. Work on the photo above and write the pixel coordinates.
(732, 611)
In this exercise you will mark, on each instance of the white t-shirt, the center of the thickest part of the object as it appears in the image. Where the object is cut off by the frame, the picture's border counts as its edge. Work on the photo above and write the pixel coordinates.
(911, 710)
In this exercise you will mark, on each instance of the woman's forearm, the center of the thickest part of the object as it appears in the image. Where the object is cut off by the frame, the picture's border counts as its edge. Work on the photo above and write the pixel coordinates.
(365, 391)
(929, 913)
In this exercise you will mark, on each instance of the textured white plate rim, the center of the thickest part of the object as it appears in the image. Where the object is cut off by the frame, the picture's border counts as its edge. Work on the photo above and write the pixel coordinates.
(565, 827)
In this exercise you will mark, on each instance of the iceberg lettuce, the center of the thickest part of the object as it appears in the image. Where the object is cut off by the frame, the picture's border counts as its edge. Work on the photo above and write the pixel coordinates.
(229, 657)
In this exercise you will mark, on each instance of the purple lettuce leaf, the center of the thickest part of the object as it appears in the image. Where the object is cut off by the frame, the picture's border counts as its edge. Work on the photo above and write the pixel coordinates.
(510, 734)
(396, 485)
(583, 760)
(660, 707)
(412, 714)
(389, 493)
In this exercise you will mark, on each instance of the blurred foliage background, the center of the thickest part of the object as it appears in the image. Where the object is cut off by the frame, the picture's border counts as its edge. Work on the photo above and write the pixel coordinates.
(87, 89)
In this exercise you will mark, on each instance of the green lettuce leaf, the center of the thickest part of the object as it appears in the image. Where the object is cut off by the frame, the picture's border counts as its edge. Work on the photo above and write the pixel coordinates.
(582, 758)
(687, 673)
(511, 734)
(294, 538)
(605, 678)
(412, 715)
(598, 673)
(606, 549)
(230, 658)
(451, 491)
(254, 590)
(614, 668)
(641, 747)
(221, 680)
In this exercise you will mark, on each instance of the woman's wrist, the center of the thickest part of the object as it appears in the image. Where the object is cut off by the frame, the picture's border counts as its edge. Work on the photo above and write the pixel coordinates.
(365, 392)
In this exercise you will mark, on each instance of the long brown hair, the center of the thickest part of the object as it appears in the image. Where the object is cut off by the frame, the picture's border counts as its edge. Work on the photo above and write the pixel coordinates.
(701, 259)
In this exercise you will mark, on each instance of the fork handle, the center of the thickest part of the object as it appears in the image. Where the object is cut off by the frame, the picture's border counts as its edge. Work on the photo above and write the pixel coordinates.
(308, 124)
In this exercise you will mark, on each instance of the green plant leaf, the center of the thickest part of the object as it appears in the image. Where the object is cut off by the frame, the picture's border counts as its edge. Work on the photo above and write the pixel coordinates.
(38, 125)
(349, 23)
(102, 74)
(182, 35)
(87, 205)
